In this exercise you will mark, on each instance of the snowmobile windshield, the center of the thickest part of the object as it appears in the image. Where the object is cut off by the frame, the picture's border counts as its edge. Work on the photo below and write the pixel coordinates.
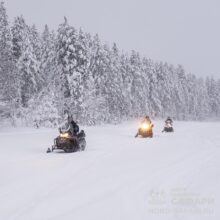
(169, 121)
(65, 128)
(168, 125)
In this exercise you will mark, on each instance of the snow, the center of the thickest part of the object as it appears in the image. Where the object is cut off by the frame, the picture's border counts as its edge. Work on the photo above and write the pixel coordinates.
(172, 176)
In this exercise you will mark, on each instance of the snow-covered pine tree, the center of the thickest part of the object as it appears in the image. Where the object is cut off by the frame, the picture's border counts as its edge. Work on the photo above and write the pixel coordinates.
(43, 108)
(202, 107)
(66, 60)
(26, 60)
(192, 95)
(28, 72)
(8, 87)
(218, 96)
(162, 88)
(97, 69)
(113, 84)
(94, 98)
(154, 96)
(36, 44)
(48, 57)
(91, 103)
(213, 96)
(127, 111)
(181, 93)
(19, 34)
(72, 59)
(138, 93)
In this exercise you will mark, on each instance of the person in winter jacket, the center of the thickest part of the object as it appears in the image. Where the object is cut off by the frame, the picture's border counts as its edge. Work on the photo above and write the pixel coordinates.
(168, 125)
(169, 121)
(74, 126)
(145, 120)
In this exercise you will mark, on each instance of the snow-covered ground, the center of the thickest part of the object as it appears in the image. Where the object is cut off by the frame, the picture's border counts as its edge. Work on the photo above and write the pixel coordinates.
(118, 177)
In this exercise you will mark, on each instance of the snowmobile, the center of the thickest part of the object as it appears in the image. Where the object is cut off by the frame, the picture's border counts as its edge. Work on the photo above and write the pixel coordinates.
(68, 141)
(168, 127)
(146, 130)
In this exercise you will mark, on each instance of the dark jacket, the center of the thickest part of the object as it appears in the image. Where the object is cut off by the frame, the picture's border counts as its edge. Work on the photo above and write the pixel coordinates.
(75, 127)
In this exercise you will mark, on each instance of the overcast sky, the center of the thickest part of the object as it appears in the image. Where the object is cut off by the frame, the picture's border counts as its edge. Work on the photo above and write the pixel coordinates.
(183, 32)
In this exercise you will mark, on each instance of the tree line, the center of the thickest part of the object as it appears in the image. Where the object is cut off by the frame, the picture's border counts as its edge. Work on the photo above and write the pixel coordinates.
(43, 74)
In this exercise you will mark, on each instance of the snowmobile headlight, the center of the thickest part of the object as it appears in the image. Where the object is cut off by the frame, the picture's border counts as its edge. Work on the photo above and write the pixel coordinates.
(145, 126)
(64, 135)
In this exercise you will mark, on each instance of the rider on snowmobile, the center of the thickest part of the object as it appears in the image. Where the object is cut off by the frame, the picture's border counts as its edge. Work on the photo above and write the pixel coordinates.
(73, 125)
(168, 124)
(169, 121)
(146, 120)
(69, 139)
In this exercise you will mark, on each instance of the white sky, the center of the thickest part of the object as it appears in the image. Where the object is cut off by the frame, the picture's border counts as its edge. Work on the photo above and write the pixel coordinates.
(183, 32)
